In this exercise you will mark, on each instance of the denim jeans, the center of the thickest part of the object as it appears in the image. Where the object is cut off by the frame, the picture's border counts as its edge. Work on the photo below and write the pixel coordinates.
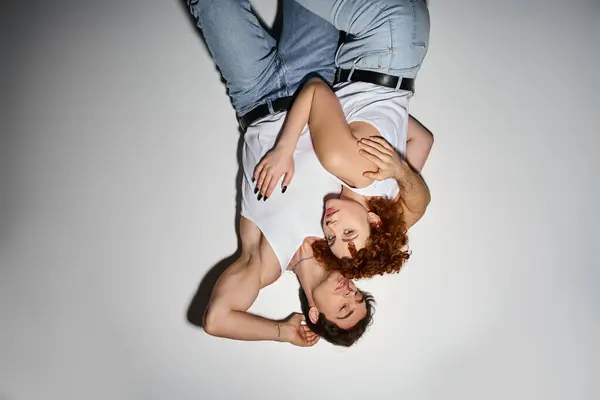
(257, 69)
(387, 36)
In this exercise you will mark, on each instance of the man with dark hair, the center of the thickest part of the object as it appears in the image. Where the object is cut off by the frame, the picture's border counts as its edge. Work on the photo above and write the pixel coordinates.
(329, 321)
(261, 76)
(328, 329)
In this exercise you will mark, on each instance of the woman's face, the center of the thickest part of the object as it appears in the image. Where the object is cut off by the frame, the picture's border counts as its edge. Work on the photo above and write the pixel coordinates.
(346, 221)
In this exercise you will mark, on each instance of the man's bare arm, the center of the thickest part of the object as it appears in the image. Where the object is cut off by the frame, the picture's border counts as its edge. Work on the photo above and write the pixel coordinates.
(414, 194)
(237, 289)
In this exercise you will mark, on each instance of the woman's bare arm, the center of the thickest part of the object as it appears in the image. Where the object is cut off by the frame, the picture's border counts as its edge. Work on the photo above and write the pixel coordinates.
(335, 141)
(299, 114)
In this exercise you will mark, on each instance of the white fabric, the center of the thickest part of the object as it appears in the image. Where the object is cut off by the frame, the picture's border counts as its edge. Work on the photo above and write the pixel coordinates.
(387, 110)
(285, 219)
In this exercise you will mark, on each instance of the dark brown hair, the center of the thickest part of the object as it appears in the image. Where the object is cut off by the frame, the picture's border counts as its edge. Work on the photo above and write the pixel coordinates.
(383, 252)
(333, 333)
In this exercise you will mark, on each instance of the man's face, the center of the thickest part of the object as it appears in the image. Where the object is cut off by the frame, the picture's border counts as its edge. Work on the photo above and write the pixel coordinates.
(340, 301)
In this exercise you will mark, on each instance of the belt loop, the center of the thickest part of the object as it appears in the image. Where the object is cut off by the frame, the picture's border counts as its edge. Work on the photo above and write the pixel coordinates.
(351, 72)
(399, 82)
(270, 105)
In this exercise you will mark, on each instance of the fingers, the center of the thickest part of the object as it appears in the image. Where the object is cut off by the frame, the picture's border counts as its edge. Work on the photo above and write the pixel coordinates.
(269, 188)
(376, 176)
(287, 180)
(265, 183)
(375, 149)
(382, 142)
(368, 154)
(257, 171)
(262, 182)
(310, 337)
(266, 180)
(372, 175)
(311, 342)
(374, 144)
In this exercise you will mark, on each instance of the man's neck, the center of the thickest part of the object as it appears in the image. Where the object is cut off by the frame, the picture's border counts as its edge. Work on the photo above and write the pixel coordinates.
(310, 273)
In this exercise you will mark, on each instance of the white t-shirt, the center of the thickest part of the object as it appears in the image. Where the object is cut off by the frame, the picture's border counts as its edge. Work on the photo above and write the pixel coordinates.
(286, 219)
(387, 110)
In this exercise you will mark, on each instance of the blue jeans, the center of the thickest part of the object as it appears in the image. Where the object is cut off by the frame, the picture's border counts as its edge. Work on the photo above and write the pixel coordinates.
(387, 36)
(257, 69)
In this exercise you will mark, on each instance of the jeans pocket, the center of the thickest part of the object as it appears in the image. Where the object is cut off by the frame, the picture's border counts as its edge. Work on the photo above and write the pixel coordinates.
(374, 59)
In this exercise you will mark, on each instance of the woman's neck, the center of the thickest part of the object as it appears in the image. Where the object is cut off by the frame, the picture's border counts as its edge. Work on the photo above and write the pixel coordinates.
(348, 194)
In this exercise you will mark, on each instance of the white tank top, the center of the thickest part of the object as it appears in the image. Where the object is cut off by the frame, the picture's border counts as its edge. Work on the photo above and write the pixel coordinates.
(387, 110)
(285, 219)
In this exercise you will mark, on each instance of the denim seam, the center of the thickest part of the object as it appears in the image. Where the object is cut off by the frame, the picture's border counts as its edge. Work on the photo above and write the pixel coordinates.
(283, 71)
(386, 15)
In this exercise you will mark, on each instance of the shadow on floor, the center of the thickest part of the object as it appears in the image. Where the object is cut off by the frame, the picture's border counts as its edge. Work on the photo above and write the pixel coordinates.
(199, 303)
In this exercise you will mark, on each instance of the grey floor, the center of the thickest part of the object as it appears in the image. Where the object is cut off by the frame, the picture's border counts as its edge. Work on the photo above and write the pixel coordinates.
(118, 165)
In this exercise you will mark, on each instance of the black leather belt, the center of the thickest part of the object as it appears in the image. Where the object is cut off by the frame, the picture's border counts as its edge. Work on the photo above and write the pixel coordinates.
(282, 104)
(376, 78)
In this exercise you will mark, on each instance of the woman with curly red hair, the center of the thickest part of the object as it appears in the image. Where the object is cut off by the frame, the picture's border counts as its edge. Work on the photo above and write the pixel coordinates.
(364, 137)
(357, 128)
(367, 235)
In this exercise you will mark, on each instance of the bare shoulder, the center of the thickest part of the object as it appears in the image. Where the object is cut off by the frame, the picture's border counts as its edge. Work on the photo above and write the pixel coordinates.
(270, 266)
(362, 129)
(250, 235)
(260, 258)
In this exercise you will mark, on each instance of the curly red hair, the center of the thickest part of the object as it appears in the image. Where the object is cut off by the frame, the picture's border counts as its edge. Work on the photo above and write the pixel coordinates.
(383, 252)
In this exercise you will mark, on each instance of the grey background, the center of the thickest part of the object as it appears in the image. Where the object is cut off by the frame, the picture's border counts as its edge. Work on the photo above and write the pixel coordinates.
(118, 164)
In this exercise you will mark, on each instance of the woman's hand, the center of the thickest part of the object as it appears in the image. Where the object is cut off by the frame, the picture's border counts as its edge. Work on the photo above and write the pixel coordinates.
(377, 150)
(277, 162)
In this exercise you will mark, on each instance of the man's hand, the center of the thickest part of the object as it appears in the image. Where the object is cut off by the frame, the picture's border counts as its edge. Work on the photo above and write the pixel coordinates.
(377, 150)
(277, 162)
(292, 331)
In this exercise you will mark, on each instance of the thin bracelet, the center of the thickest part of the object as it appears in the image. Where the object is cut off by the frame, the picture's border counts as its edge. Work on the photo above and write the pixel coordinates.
(278, 330)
